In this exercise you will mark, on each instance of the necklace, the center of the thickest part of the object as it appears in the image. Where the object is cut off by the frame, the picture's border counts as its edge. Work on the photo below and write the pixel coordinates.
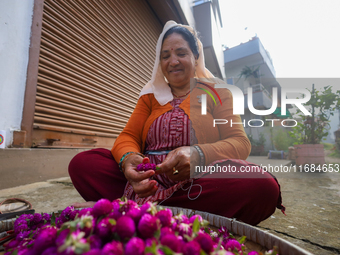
(182, 95)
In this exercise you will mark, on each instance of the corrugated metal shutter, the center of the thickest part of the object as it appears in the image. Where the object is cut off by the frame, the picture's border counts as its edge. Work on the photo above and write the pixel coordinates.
(95, 57)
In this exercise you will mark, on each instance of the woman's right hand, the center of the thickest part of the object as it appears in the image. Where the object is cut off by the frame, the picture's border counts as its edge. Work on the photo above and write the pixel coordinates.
(140, 182)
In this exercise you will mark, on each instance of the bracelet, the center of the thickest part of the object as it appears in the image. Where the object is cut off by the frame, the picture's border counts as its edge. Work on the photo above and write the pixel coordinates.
(125, 156)
(201, 154)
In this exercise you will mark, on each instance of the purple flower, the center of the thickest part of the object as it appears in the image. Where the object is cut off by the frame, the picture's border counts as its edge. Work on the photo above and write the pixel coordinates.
(165, 217)
(85, 211)
(148, 225)
(45, 239)
(113, 248)
(128, 205)
(135, 214)
(135, 246)
(95, 242)
(65, 214)
(140, 167)
(205, 242)
(193, 218)
(21, 228)
(104, 228)
(149, 166)
(181, 218)
(46, 217)
(191, 248)
(102, 207)
(125, 227)
(171, 241)
(231, 245)
(50, 251)
(147, 208)
(37, 218)
(93, 252)
(165, 231)
(61, 239)
(22, 235)
(253, 253)
(185, 229)
(224, 232)
(151, 241)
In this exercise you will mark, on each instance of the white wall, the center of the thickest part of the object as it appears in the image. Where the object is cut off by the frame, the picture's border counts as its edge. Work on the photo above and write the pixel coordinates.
(15, 31)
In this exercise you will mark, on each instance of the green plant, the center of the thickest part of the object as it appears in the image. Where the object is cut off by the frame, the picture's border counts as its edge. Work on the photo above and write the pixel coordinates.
(259, 142)
(247, 72)
(313, 129)
(282, 140)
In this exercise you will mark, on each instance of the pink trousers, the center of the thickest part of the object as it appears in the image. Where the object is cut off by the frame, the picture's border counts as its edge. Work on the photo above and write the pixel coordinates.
(95, 174)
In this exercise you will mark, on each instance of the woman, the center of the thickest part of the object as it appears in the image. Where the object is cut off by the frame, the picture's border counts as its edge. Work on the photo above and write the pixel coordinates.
(167, 127)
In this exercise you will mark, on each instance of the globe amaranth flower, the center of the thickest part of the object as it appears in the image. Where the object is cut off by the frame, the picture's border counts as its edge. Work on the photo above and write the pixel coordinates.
(85, 211)
(45, 239)
(205, 242)
(181, 218)
(37, 218)
(128, 205)
(50, 251)
(231, 245)
(113, 248)
(171, 241)
(104, 228)
(135, 246)
(22, 235)
(94, 252)
(102, 207)
(66, 213)
(125, 227)
(194, 217)
(253, 253)
(95, 242)
(165, 231)
(61, 238)
(191, 248)
(184, 229)
(148, 225)
(165, 217)
(21, 227)
(135, 214)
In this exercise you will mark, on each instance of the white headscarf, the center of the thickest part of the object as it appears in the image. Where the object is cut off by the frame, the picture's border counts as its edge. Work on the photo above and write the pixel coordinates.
(158, 85)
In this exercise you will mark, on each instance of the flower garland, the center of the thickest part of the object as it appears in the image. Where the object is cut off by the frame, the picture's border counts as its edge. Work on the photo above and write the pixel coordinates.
(121, 227)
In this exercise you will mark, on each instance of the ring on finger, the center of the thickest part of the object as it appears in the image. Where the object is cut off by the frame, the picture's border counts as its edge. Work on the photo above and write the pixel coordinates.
(175, 171)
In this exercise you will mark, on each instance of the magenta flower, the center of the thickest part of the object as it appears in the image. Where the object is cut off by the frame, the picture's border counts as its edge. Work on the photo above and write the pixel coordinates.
(148, 225)
(193, 218)
(50, 251)
(95, 242)
(149, 166)
(165, 217)
(165, 231)
(93, 252)
(21, 228)
(113, 248)
(45, 239)
(140, 167)
(184, 229)
(253, 253)
(61, 239)
(125, 227)
(135, 246)
(205, 242)
(102, 207)
(104, 228)
(85, 211)
(129, 205)
(172, 242)
(37, 218)
(191, 248)
(135, 214)
(231, 245)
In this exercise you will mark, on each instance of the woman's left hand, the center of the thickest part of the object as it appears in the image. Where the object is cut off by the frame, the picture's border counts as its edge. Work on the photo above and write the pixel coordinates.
(178, 159)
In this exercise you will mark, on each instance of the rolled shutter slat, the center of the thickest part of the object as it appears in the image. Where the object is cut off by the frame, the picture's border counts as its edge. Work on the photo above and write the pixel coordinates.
(95, 57)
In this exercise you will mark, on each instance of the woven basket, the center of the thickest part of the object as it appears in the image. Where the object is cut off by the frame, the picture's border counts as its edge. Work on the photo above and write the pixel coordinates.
(252, 233)
(258, 236)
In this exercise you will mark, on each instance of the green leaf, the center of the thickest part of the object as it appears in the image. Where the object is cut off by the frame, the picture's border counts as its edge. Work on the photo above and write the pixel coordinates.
(196, 226)
(53, 219)
(242, 239)
(167, 250)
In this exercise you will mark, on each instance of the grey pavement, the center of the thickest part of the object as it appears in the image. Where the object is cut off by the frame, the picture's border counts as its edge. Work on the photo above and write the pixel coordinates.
(312, 201)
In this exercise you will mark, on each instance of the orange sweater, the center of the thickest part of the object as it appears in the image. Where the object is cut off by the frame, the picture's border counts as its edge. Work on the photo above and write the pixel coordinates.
(220, 142)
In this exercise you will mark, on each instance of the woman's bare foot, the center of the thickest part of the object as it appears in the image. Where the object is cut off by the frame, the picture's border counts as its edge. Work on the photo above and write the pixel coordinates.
(83, 204)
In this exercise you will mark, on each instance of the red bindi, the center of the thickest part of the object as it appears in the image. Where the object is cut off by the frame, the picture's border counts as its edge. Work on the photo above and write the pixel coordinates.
(172, 48)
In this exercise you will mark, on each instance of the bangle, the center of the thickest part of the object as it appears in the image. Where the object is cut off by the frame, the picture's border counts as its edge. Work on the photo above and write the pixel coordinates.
(200, 153)
(125, 156)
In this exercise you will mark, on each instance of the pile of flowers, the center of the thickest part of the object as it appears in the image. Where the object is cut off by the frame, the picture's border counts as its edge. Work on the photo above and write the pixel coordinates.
(120, 227)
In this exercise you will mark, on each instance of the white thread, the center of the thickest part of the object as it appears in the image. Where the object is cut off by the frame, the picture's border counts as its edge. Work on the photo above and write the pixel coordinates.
(192, 181)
